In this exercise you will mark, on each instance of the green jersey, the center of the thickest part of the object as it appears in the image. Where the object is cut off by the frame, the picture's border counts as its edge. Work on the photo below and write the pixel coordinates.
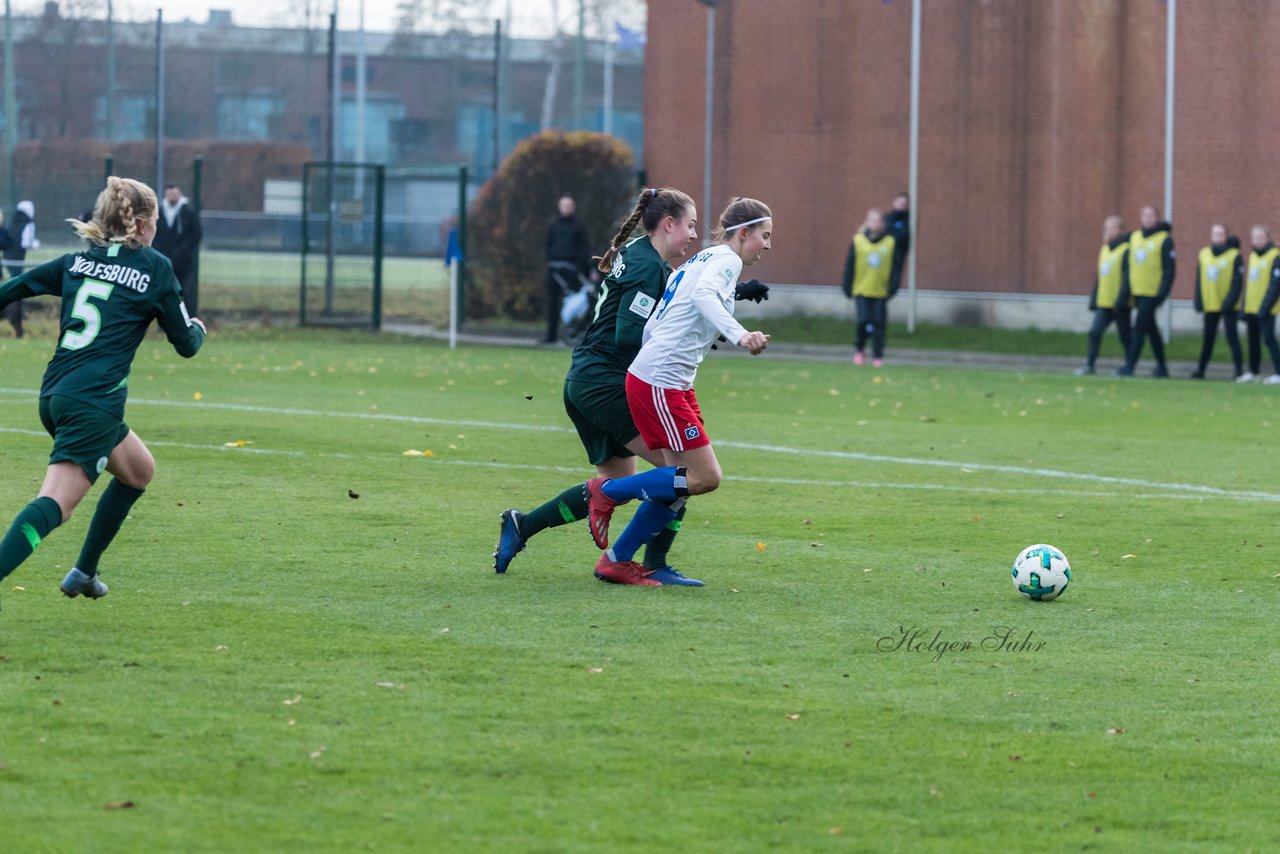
(110, 295)
(628, 296)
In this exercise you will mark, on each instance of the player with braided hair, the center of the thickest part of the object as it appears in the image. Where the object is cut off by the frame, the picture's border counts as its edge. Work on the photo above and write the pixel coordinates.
(696, 309)
(595, 388)
(110, 294)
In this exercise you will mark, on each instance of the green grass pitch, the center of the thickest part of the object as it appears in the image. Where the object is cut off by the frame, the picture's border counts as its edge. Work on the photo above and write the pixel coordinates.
(281, 666)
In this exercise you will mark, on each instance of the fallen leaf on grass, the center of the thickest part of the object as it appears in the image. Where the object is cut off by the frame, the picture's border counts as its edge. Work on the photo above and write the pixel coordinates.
(444, 631)
(238, 443)
(1116, 731)
(222, 647)
(388, 684)
(352, 494)
(1013, 757)
(118, 805)
(316, 754)
(815, 545)
(297, 698)
(1126, 557)
(867, 569)
(759, 547)
(595, 670)
(412, 453)
(528, 397)
(734, 590)
(835, 831)
(18, 587)
(795, 717)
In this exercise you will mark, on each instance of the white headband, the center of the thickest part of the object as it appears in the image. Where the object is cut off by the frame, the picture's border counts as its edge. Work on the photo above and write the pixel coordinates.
(747, 223)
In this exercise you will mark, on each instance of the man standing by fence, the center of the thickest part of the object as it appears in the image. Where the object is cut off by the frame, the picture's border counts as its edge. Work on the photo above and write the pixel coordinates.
(568, 257)
(178, 237)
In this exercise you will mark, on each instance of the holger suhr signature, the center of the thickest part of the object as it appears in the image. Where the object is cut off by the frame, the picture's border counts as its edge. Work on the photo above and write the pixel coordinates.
(936, 645)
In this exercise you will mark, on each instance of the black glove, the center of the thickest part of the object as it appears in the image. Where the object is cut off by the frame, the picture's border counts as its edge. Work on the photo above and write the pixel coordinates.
(754, 290)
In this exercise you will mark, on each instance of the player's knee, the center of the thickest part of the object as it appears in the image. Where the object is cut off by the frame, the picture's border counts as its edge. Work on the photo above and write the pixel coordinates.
(140, 472)
(702, 482)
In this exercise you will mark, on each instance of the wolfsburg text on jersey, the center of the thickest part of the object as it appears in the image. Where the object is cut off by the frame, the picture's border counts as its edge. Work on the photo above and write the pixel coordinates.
(119, 274)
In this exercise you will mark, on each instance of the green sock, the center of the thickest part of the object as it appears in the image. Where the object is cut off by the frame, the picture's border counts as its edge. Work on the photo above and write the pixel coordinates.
(655, 554)
(31, 526)
(568, 506)
(114, 505)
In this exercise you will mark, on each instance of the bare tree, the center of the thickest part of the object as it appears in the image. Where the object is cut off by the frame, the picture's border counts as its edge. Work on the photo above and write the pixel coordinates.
(554, 49)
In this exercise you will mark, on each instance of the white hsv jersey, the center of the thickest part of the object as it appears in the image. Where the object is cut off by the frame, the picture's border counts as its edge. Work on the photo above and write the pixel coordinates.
(696, 308)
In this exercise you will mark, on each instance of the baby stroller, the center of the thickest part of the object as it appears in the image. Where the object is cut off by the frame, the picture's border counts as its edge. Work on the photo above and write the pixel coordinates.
(578, 295)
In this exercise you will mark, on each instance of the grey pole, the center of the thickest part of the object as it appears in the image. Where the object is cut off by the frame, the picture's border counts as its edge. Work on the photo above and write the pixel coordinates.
(707, 127)
(1170, 54)
(10, 108)
(579, 65)
(160, 99)
(111, 73)
(914, 167)
(361, 91)
(331, 182)
(497, 94)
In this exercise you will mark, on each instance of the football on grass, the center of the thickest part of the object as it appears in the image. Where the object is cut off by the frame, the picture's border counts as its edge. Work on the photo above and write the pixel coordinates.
(1041, 573)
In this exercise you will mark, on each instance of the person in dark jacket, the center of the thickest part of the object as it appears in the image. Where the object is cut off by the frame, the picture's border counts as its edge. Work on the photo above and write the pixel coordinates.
(568, 257)
(178, 236)
(897, 222)
(1149, 271)
(14, 242)
(1219, 284)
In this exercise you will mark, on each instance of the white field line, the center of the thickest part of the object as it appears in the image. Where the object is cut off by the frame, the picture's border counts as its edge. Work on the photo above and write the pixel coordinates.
(579, 471)
(968, 467)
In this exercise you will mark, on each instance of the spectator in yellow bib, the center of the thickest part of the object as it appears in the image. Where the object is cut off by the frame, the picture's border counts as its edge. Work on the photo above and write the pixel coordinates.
(1149, 271)
(1219, 281)
(1105, 302)
(871, 277)
(1261, 304)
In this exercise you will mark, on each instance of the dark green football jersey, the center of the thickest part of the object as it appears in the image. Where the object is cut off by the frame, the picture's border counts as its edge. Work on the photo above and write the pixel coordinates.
(110, 295)
(628, 296)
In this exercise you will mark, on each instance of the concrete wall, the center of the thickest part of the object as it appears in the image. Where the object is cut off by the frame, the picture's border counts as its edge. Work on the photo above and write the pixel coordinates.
(1038, 119)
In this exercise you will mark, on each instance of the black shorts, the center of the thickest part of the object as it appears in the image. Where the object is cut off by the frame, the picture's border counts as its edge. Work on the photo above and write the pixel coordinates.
(82, 434)
(602, 418)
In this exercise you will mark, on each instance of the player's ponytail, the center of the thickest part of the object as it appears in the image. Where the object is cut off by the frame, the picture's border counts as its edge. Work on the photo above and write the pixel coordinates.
(654, 205)
(116, 213)
(741, 214)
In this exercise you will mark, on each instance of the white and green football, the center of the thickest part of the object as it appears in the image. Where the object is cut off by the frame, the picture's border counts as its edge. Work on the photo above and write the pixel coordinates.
(1041, 573)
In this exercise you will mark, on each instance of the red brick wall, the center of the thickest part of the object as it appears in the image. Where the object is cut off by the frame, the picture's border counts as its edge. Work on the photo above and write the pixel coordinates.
(1037, 120)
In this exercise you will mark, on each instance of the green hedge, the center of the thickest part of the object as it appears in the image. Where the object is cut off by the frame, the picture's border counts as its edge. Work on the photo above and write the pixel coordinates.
(511, 213)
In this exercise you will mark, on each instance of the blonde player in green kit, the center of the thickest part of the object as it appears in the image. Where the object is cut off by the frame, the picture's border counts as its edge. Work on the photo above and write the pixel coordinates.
(110, 294)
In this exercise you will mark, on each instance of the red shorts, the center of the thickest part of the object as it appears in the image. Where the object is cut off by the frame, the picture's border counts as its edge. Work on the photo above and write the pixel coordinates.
(666, 417)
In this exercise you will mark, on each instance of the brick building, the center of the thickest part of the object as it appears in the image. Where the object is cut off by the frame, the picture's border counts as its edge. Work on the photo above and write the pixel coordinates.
(1037, 120)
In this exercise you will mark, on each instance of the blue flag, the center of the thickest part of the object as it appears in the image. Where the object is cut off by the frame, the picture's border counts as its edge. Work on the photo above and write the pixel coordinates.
(629, 39)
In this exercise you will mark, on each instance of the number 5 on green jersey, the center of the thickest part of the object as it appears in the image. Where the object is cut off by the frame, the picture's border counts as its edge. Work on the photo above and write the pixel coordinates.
(87, 313)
